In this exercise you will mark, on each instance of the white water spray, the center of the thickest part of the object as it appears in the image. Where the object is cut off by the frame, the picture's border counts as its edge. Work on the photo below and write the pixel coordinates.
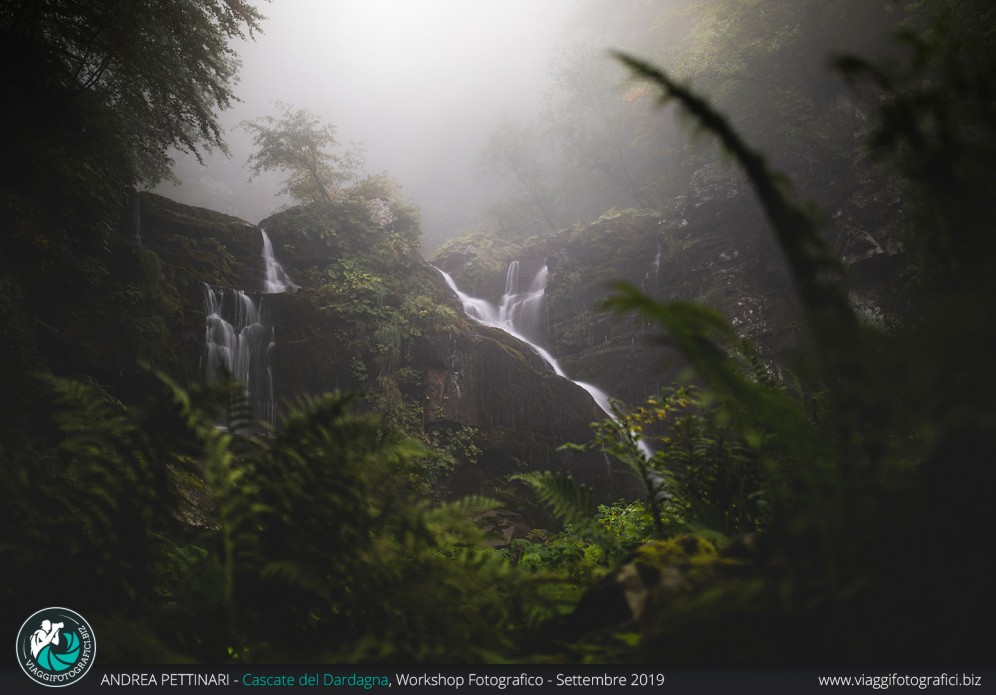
(239, 336)
(238, 342)
(275, 279)
(654, 272)
(136, 216)
(516, 309)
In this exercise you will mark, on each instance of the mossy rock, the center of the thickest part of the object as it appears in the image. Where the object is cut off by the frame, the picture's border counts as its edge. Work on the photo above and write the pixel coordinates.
(210, 246)
(685, 550)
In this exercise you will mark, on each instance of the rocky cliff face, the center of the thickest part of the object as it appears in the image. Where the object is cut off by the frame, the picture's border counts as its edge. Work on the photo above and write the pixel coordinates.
(711, 246)
(188, 247)
(371, 316)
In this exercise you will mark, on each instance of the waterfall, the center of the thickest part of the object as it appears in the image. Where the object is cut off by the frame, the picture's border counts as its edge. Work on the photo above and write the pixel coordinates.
(484, 312)
(518, 313)
(136, 215)
(239, 336)
(238, 341)
(275, 279)
(654, 270)
(521, 310)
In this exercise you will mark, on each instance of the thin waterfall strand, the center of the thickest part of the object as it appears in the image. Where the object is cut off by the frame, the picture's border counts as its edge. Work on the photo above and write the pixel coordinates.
(276, 279)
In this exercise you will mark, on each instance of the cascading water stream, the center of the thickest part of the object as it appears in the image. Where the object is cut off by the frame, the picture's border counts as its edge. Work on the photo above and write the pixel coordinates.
(239, 336)
(136, 218)
(276, 279)
(518, 312)
(238, 342)
(484, 312)
(654, 271)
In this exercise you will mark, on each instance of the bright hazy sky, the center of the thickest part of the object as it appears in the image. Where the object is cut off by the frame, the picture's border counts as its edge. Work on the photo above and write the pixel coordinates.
(422, 82)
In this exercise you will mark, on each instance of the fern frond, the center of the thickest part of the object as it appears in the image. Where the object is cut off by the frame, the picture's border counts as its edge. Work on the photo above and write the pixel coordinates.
(294, 574)
(570, 502)
(462, 509)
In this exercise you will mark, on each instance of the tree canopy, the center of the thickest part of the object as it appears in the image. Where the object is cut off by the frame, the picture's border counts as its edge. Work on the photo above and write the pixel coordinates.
(97, 95)
(152, 73)
(513, 148)
(299, 143)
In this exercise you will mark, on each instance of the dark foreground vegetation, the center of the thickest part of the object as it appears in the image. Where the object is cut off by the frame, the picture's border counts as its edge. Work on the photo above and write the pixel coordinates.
(836, 510)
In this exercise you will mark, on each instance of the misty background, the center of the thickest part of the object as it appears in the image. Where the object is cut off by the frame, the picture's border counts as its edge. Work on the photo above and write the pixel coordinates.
(421, 84)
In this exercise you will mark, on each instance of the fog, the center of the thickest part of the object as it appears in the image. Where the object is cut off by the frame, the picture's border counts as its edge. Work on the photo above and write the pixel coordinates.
(421, 83)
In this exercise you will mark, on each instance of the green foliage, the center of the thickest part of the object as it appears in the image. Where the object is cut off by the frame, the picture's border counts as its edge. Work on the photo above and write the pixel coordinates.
(104, 492)
(573, 505)
(707, 470)
(301, 546)
(153, 74)
(843, 478)
(388, 208)
(568, 561)
(705, 339)
(104, 91)
(315, 542)
(453, 447)
(359, 255)
(569, 502)
(571, 562)
(805, 484)
(630, 523)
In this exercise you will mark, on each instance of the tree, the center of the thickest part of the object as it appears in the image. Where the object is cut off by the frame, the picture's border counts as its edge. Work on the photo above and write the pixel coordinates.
(97, 93)
(513, 148)
(299, 143)
(764, 64)
(152, 73)
(595, 126)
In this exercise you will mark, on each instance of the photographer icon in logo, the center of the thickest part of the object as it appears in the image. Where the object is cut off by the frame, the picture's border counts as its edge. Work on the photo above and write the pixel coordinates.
(56, 647)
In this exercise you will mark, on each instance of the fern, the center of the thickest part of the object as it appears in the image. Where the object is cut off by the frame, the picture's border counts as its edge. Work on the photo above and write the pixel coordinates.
(570, 502)
(817, 275)
(313, 548)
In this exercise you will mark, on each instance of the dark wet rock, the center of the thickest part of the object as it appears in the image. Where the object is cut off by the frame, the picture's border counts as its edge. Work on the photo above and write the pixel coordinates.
(502, 526)
(711, 246)
(460, 375)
